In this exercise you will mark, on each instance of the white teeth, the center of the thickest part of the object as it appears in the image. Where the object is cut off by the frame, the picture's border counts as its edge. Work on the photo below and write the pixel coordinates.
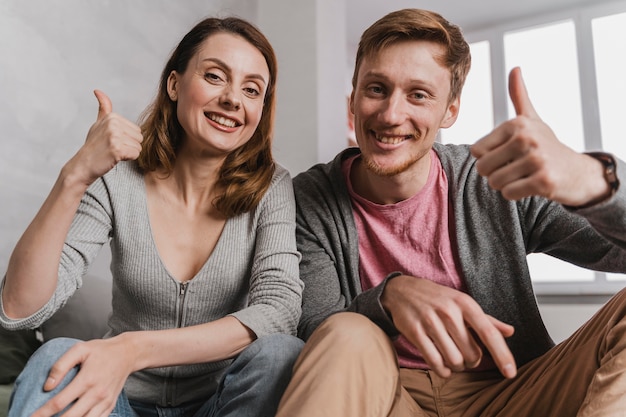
(222, 120)
(390, 140)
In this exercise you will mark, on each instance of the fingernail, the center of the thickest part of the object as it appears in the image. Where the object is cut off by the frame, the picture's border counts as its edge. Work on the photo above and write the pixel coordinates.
(509, 370)
(49, 381)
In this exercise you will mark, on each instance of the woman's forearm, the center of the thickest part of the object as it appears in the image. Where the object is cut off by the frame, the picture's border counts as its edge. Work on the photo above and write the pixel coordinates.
(209, 342)
(32, 271)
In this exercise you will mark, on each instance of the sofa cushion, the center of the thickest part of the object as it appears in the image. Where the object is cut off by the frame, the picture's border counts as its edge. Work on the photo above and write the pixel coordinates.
(5, 396)
(15, 349)
(85, 314)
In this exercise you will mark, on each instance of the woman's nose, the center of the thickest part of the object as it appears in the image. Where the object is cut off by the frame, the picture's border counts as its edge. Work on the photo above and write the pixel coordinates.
(230, 98)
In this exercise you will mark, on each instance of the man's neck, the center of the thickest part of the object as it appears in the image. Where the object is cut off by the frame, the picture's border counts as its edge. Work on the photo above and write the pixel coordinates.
(389, 189)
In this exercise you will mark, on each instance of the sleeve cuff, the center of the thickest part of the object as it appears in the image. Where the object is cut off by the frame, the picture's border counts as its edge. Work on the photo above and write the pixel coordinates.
(368, 303)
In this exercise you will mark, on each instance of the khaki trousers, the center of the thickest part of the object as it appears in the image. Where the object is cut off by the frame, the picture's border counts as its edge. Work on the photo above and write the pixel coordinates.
(349, 368)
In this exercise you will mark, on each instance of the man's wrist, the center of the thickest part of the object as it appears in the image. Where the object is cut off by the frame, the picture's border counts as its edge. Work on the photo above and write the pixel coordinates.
(610, 176)
(382, 294)
(610, 168)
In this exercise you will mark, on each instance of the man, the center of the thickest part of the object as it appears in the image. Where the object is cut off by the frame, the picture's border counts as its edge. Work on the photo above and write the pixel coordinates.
(428, 244)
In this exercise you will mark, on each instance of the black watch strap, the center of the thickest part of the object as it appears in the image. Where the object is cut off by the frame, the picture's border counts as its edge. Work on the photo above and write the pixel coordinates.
(610, 168)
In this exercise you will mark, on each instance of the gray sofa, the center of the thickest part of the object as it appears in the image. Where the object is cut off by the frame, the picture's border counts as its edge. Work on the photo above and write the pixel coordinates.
(83, 317)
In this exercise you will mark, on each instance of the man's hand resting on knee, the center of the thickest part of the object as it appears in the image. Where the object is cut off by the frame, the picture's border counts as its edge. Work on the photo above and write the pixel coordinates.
(443, 324)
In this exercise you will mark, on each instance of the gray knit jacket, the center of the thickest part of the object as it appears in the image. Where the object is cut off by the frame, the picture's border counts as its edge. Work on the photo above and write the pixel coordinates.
(252, 275)
(492, 237)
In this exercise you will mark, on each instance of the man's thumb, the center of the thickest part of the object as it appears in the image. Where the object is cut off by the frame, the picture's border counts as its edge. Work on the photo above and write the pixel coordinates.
(519, 94)
(104, 104)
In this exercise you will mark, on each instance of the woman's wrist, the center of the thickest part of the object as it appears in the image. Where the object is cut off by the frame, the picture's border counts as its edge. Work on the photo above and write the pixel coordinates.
(134, 349)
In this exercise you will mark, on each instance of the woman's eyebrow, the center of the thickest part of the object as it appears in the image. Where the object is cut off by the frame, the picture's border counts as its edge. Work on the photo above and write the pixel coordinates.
(228, 68)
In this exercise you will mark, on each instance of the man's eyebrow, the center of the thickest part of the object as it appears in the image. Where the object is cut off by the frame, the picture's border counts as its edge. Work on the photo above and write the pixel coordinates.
(374, 74)
(383, 76)
(228, 68)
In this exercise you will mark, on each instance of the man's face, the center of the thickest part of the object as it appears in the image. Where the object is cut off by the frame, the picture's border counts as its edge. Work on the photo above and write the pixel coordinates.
(400, 101)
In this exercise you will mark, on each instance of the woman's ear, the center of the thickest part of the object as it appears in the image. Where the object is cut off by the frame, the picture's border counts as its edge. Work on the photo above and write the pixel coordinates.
(172, 84)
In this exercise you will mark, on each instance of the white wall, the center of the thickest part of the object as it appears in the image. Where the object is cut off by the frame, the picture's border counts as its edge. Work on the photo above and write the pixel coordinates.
(309, 39)
(563, 319)
(53, 54)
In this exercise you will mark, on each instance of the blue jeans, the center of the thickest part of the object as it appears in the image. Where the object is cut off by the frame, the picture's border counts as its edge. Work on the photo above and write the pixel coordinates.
(251, 386)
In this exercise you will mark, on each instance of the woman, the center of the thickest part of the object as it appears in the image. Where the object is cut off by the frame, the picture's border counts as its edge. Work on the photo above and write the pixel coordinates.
(201, 223)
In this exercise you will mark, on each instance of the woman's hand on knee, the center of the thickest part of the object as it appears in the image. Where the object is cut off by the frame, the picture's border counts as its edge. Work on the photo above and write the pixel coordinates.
(104, 366)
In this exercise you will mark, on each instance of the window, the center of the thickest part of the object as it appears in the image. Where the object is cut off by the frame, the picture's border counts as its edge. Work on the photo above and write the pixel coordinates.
(476, 112)
(548, 59)
(572, 64)
(610, 62)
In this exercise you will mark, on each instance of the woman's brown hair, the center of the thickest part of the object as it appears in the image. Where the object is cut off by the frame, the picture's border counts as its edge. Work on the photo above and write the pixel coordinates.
(417, 24)
(247, 172)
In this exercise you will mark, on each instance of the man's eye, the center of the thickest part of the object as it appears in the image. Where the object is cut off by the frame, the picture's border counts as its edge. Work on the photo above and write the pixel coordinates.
(420, 95)
(211, 76)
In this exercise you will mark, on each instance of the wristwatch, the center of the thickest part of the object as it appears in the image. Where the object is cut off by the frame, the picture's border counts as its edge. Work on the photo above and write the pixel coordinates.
(610, 169)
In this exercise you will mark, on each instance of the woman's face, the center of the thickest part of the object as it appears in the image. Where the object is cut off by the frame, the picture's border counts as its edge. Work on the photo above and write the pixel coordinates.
(220, 95)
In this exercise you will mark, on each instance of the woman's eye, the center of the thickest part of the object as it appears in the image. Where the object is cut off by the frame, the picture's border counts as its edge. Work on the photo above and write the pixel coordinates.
(251, 91)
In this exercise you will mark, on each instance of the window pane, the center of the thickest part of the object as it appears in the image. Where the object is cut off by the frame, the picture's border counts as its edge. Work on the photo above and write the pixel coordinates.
(476, 112)
(615, 277)
(545, 268)
(548, 59)
(610, 56)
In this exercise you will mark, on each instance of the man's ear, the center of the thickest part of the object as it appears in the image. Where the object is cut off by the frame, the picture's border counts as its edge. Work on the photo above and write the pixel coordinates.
(172, 85)
(452, 112)
(351, 102)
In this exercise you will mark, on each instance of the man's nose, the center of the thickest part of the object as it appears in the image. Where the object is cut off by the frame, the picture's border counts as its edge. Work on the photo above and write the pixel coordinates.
(393, 110)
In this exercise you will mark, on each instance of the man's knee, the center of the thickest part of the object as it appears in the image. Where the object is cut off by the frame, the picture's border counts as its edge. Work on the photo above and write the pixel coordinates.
(621, 296)
(353, 332)
(616, 307)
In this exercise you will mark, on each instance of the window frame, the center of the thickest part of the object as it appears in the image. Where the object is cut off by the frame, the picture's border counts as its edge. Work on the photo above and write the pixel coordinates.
(600, 289)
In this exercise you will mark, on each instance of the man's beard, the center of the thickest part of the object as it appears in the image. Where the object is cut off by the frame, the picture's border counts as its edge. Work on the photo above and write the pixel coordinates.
(391, 171)
(372, 166)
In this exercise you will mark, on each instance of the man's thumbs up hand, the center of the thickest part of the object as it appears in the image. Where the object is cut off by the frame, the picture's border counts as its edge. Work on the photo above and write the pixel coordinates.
(522, 157)
(519, 95)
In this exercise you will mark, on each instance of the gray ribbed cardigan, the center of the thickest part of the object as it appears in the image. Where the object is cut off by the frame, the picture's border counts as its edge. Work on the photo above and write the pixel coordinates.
(491, 236)
(252, 275)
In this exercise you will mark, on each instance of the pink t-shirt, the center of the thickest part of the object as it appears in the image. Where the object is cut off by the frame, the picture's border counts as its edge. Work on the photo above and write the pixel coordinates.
(411, 236)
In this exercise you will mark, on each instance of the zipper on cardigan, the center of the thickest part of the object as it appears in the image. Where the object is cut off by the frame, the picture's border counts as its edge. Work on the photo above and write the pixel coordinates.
(182, 292)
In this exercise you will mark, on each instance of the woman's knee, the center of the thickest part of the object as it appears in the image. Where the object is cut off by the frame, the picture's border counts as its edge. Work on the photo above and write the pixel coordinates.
(48, 353)
(28, 394)
(275, 349)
